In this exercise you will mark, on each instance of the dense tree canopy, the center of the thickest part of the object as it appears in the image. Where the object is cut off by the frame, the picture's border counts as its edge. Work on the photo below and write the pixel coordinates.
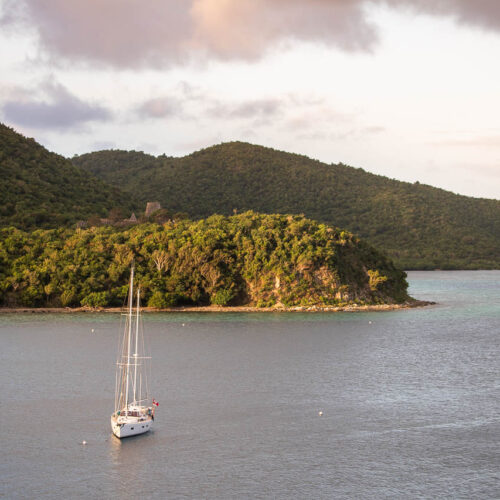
(41, 189)
(249, 258)
(417, 225)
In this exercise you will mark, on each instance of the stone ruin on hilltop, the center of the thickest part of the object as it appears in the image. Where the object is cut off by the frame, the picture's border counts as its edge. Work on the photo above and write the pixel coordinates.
(151, 208)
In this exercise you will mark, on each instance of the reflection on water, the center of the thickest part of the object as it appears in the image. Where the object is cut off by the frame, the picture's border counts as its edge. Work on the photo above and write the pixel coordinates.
(130, 460)
(408, 401)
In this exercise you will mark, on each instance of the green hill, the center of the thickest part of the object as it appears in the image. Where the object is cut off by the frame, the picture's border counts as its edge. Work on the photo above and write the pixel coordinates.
(253, 259)
(419, 226)
(42, 189)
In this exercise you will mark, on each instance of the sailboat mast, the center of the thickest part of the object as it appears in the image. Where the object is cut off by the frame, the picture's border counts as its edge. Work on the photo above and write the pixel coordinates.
(131, 299)
(136, 343)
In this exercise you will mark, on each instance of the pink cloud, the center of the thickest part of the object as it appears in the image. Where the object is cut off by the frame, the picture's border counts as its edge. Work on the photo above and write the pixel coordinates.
(118, 32)
(131, 33)
(246, 28)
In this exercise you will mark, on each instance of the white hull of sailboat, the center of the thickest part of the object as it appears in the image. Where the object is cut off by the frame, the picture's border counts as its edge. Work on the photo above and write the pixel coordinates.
(123, 430)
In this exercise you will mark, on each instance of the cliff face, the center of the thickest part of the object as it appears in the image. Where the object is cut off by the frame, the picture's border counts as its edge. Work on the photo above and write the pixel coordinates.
(291, 260)
(246, 259)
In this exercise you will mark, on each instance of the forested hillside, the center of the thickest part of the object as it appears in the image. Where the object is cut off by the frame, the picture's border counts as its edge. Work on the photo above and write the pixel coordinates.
(417, 225)
(42, 189)
(254, 259)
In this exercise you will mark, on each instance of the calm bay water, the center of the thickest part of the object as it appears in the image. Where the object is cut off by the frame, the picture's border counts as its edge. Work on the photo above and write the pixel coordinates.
(410, 402)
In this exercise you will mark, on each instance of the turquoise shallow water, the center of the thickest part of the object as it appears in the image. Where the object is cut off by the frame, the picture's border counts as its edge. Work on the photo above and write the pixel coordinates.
(410, 402)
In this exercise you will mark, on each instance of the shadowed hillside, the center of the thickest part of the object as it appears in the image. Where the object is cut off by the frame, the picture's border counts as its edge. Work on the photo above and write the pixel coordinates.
(42, 189)
(419, 226)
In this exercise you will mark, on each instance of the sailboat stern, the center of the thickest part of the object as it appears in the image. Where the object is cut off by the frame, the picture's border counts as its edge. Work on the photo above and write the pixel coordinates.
(126, 426)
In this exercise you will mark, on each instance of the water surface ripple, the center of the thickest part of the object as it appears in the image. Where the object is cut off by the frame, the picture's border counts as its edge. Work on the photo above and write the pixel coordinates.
(409, 401)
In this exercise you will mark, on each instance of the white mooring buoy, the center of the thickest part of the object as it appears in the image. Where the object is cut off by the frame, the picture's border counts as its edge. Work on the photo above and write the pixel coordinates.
(84, 442)
(320, 413)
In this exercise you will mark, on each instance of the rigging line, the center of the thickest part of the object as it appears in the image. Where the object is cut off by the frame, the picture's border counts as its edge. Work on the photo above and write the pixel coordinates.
(136, 343)
(131, 299)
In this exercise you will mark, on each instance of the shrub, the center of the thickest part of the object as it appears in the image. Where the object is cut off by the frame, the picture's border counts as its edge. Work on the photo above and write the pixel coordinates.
(222, 297)
(160, 300)
(95, 299)
(375, 279)
(68, 298)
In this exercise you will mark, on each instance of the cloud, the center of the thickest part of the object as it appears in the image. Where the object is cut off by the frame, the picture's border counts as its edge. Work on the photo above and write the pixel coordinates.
(10, 13)
(102, 145)
(373, 129)
(487, 141)
(123, 33)
(60, 109)
(188, 103)
(257, 108)
(482, 169)
(480, 13)
(159, 107)
(132, 33)
(247, 28)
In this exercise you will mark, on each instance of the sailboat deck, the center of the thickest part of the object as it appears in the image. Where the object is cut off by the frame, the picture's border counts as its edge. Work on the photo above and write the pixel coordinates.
(131, 418)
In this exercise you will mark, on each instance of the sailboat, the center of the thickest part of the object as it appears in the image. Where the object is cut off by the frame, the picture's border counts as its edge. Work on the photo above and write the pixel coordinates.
(132, 414)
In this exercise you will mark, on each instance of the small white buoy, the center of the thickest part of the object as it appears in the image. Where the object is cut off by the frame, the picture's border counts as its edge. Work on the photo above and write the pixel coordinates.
(320, 413)
(183, 324)
(92, 330)
(369, 322)
(84, 442)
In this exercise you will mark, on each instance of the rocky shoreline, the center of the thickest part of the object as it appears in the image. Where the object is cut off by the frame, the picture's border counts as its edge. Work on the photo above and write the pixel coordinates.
(218, 309)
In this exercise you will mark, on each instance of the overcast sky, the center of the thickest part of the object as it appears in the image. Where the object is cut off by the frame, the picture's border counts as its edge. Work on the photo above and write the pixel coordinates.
(409, 89)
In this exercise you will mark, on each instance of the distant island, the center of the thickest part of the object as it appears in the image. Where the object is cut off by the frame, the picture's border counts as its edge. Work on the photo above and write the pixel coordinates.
(250, 259)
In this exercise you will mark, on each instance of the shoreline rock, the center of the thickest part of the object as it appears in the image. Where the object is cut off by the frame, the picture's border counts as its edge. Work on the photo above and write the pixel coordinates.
(212, 308)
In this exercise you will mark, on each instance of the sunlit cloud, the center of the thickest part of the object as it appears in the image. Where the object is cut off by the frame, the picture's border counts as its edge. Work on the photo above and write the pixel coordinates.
(131, 33)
